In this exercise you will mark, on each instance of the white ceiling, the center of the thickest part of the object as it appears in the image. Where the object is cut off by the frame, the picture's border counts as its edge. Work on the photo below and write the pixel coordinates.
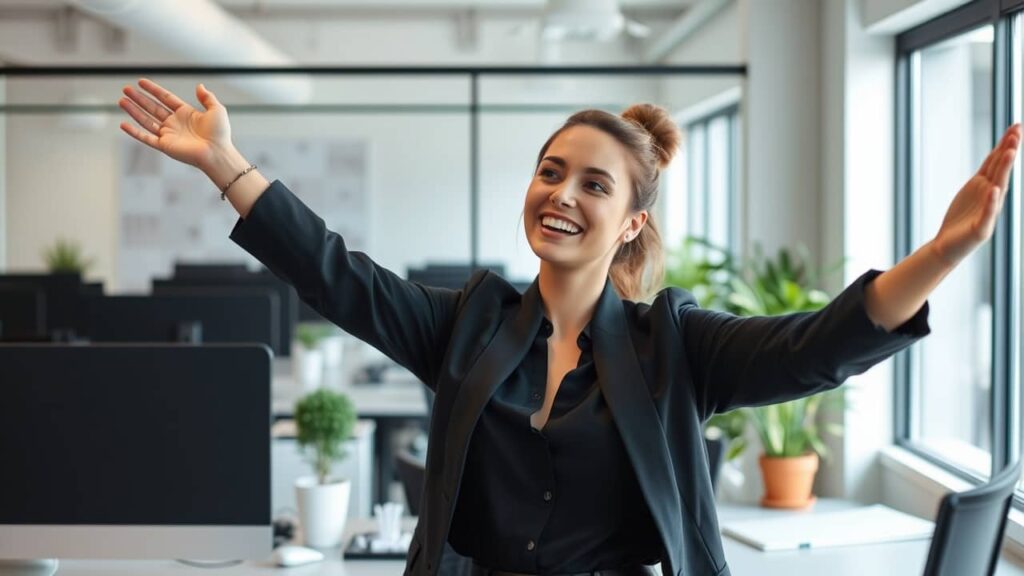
(386, 4)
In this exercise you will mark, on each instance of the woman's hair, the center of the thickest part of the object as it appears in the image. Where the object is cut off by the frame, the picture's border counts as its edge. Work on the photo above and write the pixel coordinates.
(652, 137)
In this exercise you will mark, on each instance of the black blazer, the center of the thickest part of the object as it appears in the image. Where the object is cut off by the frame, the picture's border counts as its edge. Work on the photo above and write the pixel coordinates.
(664, 368)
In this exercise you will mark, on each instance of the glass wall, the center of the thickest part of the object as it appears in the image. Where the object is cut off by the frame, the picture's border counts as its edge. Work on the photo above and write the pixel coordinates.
(388, 160)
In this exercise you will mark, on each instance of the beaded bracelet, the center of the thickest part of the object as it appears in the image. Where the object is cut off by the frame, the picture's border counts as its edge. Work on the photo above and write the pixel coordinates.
(224, 190)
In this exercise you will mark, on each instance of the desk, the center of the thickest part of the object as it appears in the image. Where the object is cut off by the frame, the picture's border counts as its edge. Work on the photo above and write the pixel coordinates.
(391, 404)
(895, 559)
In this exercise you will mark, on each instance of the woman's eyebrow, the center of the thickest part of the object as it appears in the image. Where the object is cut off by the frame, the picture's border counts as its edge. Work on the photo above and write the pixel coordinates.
(588, 169)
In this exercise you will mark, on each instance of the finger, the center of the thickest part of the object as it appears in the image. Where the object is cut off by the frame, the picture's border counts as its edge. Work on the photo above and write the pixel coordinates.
(162, 94)
(986, 166)
(1010, 141)
(140, 135)
(1003, 168)
(986, 169)
(139, 115)
(206, 98)
(151, 106)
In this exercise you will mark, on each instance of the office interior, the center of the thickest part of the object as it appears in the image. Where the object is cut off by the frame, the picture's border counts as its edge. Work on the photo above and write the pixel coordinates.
(412, 127)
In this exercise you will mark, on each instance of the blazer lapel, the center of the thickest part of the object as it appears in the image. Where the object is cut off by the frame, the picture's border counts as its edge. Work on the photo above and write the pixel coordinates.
(622, 384)
(505, 351)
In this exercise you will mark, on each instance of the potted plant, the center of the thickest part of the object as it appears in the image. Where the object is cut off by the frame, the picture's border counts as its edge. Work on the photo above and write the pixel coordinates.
(307, 357)
(65, 257)
(324, 420)
(788, 431)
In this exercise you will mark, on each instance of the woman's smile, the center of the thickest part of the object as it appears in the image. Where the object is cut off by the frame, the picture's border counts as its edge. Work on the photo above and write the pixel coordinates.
(556, 234)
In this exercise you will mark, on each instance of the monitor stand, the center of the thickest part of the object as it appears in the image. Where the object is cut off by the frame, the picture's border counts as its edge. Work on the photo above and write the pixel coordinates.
(45, 567)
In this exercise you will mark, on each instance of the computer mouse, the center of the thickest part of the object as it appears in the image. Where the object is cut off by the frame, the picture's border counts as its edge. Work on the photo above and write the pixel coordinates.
(292, 555)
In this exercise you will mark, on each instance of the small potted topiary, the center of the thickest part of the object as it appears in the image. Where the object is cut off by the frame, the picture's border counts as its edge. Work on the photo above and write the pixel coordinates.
(307, 357)
(66, 257)
(324, 420)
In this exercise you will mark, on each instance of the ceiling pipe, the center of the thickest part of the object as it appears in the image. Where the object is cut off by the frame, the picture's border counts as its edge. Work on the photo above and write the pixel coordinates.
(202, 32)
(691, 20)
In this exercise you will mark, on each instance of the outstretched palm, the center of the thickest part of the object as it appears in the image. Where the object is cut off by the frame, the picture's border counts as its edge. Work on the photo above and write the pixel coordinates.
(170, 125)
(971, 217)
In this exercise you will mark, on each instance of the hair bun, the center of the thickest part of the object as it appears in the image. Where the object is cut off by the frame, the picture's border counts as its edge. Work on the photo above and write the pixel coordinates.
(664, 131)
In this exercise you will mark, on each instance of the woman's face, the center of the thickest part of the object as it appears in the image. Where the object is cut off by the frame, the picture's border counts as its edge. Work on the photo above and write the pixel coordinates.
(582, 183)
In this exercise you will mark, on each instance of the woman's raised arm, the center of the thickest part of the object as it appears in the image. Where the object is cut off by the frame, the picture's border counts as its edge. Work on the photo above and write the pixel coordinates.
(408, 322)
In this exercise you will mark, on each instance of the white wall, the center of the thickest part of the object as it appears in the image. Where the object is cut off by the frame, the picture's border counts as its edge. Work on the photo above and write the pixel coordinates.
(782, 116)
(858, 185)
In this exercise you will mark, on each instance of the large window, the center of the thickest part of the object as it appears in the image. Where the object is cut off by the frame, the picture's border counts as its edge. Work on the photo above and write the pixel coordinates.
(702, 196)
(952, 131)
(959, 88)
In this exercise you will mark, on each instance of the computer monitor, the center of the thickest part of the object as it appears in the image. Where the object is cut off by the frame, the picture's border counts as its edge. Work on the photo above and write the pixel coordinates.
(452, 276)
(64, 295)
(209, 269)
(135, 451)
(22, 313)
(185, 288)
(225, 318)
(229, 275)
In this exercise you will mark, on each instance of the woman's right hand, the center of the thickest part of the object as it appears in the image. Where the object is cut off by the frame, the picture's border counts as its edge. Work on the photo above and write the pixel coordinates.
(172, 126)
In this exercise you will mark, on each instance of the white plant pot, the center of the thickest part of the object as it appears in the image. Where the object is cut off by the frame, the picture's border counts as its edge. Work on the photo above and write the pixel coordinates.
(332, 348)
(309, 367)
(323, 509)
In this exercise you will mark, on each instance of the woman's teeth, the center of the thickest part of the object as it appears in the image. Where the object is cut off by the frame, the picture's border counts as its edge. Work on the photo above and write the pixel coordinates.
(560, 225)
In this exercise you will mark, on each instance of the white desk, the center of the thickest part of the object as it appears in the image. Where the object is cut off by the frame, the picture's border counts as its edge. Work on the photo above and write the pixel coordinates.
(897, 559)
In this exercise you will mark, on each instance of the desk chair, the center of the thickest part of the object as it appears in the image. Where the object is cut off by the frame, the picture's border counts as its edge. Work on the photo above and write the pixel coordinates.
(969, 528)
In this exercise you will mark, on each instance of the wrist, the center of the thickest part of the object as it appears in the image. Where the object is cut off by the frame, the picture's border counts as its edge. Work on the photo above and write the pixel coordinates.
(938, 256)
(223, 165)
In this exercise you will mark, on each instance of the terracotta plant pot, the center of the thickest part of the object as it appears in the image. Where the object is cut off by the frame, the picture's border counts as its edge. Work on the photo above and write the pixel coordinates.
(788, 481)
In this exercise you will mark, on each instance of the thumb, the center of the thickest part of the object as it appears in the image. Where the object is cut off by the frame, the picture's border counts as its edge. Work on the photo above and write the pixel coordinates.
(206, 97)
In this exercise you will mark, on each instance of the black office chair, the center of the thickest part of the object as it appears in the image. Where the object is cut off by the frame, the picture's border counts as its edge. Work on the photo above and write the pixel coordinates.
(969, 528)
(412, 471)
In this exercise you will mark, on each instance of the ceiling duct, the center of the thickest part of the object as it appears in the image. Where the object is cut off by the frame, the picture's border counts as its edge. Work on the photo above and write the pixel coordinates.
(599, 20)
(203, 33)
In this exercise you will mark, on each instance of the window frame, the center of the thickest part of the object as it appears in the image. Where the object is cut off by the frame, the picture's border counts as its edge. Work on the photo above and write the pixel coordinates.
(1005, 396)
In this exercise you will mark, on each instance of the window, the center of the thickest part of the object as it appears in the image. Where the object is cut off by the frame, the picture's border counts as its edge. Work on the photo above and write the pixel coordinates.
(950, 135)
(703, 182)
(958, 81)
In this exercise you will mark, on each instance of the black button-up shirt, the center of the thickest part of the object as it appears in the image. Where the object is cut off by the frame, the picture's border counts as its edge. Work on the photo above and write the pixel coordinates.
(561, 499)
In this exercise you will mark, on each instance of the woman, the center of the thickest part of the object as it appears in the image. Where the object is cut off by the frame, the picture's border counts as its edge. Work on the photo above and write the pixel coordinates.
(566, 436)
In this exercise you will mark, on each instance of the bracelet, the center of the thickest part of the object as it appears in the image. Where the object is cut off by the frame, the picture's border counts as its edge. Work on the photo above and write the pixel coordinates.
(224, 190)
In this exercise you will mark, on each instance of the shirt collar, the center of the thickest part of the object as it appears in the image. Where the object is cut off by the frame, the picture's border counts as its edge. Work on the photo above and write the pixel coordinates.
(545, 329)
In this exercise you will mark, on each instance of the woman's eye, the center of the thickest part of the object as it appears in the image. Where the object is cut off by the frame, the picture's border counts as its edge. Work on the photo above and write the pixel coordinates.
(597, 187)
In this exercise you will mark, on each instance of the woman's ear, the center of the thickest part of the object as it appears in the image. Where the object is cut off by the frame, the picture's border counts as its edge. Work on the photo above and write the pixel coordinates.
(636, 223)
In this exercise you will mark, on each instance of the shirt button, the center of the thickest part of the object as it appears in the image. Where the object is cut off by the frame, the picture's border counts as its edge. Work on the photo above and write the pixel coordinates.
(535, 395)
(531, 545)
(547, 328)
(547, 496)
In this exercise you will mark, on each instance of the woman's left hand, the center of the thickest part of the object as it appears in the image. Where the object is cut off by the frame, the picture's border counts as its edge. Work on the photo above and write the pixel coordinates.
(971, 217)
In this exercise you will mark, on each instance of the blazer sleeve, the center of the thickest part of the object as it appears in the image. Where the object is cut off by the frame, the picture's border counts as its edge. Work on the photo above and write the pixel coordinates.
(752, 361)
(408, 322)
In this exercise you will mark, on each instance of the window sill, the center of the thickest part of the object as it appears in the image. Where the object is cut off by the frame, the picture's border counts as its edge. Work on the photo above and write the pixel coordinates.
(932, 482)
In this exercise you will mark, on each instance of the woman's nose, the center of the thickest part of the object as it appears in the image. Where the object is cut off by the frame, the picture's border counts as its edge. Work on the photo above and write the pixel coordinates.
(562, 196)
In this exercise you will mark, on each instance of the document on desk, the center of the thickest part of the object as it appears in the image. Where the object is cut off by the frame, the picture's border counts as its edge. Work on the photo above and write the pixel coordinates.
(867, 525)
